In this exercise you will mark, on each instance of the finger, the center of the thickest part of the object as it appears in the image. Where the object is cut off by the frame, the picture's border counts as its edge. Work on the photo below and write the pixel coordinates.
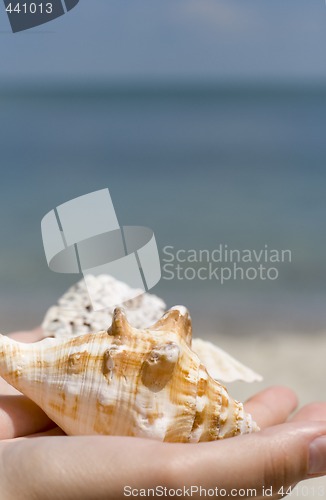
(272, 406)
(55, 431)
(311, 412)
(30, 336)
(276, 457)
(7, 389)
(19, 416)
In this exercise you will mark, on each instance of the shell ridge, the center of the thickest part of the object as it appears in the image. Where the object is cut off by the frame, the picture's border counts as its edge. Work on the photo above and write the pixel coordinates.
(124, 381)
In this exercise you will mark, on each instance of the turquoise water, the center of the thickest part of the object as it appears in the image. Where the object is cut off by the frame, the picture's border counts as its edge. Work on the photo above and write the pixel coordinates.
(200, 165)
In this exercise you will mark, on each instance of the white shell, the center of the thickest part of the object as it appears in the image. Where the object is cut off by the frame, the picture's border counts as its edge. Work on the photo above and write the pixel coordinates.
(74, 315)
(220, 365)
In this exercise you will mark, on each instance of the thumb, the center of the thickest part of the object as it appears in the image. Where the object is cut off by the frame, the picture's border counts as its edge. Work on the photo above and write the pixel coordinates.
(274, 458)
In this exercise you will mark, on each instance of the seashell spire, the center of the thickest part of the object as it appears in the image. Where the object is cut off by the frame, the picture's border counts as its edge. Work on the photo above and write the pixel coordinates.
(128, 382)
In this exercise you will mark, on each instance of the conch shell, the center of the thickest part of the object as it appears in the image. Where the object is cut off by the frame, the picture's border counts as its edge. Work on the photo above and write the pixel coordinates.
(128, 382)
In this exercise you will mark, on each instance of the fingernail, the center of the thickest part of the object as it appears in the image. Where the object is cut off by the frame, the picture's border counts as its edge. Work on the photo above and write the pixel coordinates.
(317, 456)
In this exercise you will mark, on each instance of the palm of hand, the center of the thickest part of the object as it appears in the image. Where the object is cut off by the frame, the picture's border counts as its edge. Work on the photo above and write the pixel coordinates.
(32, 444)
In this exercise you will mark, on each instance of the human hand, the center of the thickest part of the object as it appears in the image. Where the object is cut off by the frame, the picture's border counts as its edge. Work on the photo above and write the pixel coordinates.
(38, 461)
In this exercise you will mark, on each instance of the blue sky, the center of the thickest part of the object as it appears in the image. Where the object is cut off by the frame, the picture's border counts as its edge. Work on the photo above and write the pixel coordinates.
(172, 39)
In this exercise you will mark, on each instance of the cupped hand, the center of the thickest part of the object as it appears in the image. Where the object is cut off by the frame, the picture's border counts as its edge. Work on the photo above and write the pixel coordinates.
(38, 461)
